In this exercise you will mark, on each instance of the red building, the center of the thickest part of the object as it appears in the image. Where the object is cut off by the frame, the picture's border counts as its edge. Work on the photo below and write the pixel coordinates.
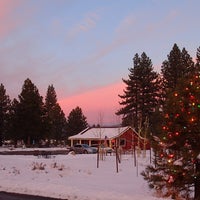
(126, 137)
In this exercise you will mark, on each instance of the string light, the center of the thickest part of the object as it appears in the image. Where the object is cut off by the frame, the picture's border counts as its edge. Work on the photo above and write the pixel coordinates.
(164, 127)
(192, 97)
(177, 133)
(164, 138)
(175, 94)
(179, 122)
(169, 160)
(192, 119)
(171, 179)
(171, 155)
(177, 115)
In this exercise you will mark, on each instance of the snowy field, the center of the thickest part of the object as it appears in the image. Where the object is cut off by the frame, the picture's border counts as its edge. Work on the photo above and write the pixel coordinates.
(75, 177)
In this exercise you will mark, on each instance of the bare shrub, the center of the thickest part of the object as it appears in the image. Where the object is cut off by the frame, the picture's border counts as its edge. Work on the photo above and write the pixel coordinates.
(38, 166)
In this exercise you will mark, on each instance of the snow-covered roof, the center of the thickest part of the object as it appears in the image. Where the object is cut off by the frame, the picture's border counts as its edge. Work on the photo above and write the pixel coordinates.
(100, 133)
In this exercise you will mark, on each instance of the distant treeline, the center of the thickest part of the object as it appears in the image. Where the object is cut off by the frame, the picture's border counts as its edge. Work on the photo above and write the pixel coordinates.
(35, 121)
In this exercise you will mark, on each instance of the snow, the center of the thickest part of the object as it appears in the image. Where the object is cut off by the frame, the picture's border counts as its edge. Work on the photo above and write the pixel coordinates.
(179, 162)
(97, 133)
(75, 177)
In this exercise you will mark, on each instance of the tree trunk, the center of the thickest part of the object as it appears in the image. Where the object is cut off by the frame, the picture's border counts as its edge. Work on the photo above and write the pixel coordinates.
(197, 181)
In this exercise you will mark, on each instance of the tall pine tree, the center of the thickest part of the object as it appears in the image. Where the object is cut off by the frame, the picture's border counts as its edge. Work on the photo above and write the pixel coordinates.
(14, 126)
(56, 121)
(177, 153)
(29, 114)
(197, 65)
(178, 65)
(141, 95)
(4, 112)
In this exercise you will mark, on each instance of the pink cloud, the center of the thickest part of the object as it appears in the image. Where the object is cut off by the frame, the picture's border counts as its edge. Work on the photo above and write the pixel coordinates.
(99, 103)
(85, 25)
(7, 8)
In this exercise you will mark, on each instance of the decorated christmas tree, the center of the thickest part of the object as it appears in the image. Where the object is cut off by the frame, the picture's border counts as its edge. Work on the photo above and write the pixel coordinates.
(176, 170)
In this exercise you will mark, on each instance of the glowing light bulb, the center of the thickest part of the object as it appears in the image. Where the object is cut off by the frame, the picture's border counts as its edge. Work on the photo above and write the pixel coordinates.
(169, 161)
(177, 133)
(192, 119)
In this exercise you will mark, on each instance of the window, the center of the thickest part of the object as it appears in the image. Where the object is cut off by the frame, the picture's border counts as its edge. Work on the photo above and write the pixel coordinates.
(122, 142)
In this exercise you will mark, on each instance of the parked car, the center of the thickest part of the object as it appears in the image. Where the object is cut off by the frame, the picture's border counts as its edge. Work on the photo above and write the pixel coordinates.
(107, 150)
(94, 149)
(81, 148)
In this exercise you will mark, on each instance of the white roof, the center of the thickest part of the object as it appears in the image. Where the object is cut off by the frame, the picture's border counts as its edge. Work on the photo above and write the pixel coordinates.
(100, 133)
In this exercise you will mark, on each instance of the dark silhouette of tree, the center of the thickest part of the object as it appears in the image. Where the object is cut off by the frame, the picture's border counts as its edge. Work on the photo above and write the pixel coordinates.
(55, 117)
(197, 65)
(4, 113)
(141, 95)
(178, 65)
(177, 167)
(76, 122)
(177, 163)
(29, 114)
(14, 126)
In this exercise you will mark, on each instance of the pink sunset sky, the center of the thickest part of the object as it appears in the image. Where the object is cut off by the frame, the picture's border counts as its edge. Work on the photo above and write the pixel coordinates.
(98, 105)
(84, 48)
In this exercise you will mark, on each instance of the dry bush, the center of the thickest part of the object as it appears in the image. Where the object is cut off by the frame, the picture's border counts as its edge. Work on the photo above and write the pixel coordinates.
(38, 166)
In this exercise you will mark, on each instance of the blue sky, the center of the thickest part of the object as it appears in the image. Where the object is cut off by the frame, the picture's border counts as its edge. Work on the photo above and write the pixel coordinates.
(86, 46)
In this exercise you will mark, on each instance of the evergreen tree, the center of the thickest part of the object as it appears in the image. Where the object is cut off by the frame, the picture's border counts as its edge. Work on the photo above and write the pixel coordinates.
(56, 121)
(51, 97)
(197, 65)
(29, 114)
(14, 125)
(177, 163)
(178, 65)
(187, 62)
(141, 96)
(4, 112)
(76, 122)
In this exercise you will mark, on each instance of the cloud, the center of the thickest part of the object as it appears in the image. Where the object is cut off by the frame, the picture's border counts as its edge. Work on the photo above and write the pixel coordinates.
(101, 101)
(123, 33)
(6, 9)
(161, 24)
(134, 28)
(126, 25)
(85, 25)
(13, 15)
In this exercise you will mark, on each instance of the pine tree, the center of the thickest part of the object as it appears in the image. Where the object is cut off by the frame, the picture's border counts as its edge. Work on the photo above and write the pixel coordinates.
(141, 95)
(177, 163)
(76, 122)
(4, 112)
(29, 114)
(14, 125)
(178, 65)
(197, 65)
(51, 97)
(56, 121)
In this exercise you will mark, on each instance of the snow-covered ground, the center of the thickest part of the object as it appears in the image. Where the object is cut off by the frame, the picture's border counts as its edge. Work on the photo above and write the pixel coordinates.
(75, 177)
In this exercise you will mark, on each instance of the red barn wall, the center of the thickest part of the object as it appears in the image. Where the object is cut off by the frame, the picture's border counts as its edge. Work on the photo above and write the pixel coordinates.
(131, 140)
